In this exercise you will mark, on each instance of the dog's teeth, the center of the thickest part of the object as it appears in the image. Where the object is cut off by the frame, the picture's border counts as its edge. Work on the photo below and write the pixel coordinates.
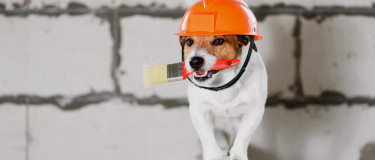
(209, 74)
(203, 75)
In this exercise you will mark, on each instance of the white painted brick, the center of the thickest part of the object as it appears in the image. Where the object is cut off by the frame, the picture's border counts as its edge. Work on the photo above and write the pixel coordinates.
(314, 133)
(276, 48)
(112, 130)
(111, 3)
(348, 3)
(64, 3)
(12, 132)
(255, 3)
(187, 3)
(9, 3)
(64, 55)
(338, 55)
(311, 3)
(144, 45)
(167, 3)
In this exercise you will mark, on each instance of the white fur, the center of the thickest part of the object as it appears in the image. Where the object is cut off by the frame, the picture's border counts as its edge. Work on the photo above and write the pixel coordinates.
(209, 59)
(243, 103)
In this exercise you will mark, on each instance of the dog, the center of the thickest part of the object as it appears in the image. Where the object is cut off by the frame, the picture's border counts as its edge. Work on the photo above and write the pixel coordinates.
(241, 105)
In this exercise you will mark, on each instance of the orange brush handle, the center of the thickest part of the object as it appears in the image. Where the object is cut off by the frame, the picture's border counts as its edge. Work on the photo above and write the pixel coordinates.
(185, 72)
(219, 65)
(225, 63)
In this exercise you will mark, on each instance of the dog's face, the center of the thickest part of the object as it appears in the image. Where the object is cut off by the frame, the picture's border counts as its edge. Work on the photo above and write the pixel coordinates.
(201, 53)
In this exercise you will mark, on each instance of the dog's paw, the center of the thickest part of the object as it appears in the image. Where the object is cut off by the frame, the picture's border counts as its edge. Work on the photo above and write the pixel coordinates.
(234, 155)
(213, 154)
(218, 156)
(238, 157)
(214, 158)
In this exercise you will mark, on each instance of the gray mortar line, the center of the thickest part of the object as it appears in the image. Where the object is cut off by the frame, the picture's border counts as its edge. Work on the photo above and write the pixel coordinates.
(116, 57)
(73, 103)
(73, 9)
(318, 12)
(27, 130)
(297, 85)
(26, 4)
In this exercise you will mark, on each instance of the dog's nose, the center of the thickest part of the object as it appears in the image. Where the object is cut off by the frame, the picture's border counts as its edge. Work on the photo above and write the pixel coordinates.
(196, 62)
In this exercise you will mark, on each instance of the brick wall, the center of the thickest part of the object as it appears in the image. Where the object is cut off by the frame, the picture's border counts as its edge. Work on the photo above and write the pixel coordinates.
(71, 80)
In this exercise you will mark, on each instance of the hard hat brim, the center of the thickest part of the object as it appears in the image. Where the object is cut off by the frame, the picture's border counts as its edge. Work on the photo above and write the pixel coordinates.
(257, 37)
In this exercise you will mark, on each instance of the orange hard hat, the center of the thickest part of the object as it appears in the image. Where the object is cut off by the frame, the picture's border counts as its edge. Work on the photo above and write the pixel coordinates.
(219, 17)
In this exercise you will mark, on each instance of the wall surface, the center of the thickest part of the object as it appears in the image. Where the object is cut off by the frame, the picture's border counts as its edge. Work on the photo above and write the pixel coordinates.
(71, 81)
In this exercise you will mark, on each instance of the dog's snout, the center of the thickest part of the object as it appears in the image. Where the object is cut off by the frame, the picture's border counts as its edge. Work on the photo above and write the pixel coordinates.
(196, 62)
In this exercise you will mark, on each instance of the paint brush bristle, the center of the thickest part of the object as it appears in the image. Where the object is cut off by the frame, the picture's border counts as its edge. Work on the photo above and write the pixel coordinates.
(177, 71)
(155, 74)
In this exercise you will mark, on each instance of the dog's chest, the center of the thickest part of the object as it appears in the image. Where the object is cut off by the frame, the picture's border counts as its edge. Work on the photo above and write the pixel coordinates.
(229, 104)
(231, 108)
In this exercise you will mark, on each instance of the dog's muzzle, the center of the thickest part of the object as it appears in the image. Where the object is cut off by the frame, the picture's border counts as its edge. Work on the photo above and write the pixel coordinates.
(196, 63)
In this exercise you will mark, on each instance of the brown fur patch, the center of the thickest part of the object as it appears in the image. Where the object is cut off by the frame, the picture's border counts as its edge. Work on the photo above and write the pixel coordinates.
(228, 49)
(245, 39)
(182, 40)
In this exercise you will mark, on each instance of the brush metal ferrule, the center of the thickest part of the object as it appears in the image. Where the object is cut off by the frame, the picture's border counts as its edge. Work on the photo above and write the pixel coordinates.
(174, 72)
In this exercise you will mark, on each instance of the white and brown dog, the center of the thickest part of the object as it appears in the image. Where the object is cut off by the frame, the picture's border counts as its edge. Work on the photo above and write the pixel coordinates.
(242, 105)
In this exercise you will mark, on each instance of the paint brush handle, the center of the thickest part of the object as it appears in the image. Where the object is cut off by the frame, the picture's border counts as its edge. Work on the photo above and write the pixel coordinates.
(185, 72)
(219, 65)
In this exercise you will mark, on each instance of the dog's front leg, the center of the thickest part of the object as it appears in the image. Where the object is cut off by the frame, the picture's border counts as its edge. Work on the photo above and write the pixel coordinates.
(249, 122)
(202, 122)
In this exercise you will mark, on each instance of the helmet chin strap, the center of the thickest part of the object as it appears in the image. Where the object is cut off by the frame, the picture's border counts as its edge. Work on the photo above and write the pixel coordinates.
(236, 78)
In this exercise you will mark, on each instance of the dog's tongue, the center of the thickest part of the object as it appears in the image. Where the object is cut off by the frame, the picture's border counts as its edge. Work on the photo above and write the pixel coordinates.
(199, 73)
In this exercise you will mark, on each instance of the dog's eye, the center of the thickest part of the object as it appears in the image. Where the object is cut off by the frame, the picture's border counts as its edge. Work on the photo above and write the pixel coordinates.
(218, 41)
(189, 42)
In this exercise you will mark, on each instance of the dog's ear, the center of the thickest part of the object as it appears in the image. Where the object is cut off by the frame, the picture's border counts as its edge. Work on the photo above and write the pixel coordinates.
(182, 40)
(255, 48)
(243, 40)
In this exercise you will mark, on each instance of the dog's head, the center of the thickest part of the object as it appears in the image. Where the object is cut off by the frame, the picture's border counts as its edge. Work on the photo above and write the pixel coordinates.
(201, 53)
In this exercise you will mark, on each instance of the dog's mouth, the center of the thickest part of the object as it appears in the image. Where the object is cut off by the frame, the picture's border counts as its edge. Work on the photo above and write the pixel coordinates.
(204, 75)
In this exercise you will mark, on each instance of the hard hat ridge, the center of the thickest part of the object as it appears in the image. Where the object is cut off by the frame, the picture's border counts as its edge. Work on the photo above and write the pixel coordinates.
(219, 17)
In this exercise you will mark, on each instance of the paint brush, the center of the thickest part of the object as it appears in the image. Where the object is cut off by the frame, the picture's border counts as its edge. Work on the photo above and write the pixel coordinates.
(157, 74)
